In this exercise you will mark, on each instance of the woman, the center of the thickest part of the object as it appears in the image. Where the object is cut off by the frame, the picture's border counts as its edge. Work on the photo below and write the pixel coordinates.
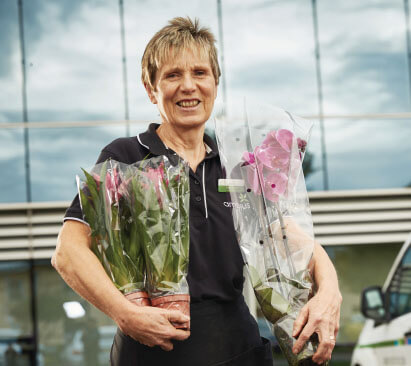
(180, 73)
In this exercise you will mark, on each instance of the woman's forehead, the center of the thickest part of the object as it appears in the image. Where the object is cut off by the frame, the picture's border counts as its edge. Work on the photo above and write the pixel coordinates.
(185, 57)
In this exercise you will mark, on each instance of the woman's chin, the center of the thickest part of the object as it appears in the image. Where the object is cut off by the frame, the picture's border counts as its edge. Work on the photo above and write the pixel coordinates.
(189, 122)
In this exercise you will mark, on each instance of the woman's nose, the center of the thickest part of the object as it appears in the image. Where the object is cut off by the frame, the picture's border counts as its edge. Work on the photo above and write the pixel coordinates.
(188, 84)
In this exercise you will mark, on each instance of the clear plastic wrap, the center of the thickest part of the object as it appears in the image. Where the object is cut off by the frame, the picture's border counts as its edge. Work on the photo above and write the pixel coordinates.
(160, 198)
(139, 220)
(262, 157)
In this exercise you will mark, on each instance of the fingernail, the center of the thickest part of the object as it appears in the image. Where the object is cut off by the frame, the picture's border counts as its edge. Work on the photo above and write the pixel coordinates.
(295, 350)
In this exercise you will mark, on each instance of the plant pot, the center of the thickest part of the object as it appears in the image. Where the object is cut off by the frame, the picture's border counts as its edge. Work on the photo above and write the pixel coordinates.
(140, 298)
(179, 302)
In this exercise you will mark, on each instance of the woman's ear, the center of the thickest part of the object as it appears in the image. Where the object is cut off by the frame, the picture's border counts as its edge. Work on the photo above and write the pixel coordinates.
(150, 93)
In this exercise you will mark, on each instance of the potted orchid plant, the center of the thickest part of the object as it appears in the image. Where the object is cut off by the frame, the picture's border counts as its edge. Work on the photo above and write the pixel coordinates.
(159, 201)
(275, 232)
(103, 196)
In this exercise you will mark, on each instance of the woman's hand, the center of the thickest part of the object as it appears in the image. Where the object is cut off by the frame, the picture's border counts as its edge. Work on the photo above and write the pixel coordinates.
(321, 314)
(152, 326)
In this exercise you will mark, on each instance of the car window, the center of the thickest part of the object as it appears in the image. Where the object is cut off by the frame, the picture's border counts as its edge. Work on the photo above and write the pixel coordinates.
(400, 288)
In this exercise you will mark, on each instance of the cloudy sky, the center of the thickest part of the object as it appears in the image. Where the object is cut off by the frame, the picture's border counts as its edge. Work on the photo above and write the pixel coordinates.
(74, 73)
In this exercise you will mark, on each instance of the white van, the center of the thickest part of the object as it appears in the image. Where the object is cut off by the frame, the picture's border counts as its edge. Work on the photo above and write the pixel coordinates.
(386, 336)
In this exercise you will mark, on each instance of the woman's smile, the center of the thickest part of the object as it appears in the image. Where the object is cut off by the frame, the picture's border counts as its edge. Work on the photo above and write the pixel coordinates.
(188, 103)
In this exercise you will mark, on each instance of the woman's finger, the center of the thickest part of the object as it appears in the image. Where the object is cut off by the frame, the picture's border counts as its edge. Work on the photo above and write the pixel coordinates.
(301, 320)
(174, 316)
(325, 348)
(167, 346)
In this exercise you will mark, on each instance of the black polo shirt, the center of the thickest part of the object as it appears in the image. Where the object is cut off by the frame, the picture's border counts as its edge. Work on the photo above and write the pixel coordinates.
(215, 266)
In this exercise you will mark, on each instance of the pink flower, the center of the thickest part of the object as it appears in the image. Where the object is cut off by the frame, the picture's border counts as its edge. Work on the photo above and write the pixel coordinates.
(275, 185)
(115, 186)
(252, 177)
(156, 176)
(301, 144)
(268, 167)
(282, 137)
(248, 158)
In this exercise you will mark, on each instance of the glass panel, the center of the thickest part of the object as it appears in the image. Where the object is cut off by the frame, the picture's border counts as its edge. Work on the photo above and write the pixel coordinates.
(368, 154)
(312, 165)
(406, 261)
(15, 321)
(400, 295)
(74, 58)
(71, 332)
(354, 277)
(363, 56)
(58, 154)
(10, 66)
(139, 33)
(400, 287)
(12, 166)
(269, 54)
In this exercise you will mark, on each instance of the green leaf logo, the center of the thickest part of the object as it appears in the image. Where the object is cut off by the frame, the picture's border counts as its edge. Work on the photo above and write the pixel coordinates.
(243, 198)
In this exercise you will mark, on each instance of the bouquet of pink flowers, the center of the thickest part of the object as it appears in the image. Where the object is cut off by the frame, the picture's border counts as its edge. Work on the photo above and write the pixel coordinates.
(263, 165)
(159, 203)
(138, 215)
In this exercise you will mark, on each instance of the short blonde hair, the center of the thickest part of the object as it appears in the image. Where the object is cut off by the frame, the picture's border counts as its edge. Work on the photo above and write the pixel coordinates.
(179, 35)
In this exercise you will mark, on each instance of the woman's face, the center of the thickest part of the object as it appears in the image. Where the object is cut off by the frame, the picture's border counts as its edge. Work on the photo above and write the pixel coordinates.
(185, 89)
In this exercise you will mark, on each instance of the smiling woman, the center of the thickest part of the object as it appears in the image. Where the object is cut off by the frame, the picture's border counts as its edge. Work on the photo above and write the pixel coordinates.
(180, 73)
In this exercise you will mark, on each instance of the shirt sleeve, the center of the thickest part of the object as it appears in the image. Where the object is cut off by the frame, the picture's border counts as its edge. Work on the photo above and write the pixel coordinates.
(74, 212)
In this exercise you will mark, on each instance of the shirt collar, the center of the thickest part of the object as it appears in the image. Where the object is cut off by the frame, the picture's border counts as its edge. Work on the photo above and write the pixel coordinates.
(153, 143)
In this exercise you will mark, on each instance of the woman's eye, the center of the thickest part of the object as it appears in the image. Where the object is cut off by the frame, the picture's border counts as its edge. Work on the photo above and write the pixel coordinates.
(172, 75)
(200, 72)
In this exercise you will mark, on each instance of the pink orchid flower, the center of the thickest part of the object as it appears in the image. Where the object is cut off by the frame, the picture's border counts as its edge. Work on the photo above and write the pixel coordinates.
(248, 158)
(275, 185)
(268, 167)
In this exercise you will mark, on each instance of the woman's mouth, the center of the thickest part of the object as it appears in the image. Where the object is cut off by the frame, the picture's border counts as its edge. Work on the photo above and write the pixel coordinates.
(188, 103)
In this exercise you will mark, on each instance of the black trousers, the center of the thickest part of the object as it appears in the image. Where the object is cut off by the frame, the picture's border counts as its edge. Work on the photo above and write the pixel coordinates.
(222, 334)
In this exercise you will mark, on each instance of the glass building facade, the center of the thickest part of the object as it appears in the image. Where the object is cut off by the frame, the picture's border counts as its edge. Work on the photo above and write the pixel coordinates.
(70, 84)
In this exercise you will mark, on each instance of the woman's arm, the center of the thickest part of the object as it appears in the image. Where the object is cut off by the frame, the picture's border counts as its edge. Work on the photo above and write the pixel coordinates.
(321, 314)
(82, 271)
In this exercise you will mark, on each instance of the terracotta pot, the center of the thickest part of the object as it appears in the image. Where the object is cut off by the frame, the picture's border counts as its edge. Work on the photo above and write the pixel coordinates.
(174, 302)
(139, 298)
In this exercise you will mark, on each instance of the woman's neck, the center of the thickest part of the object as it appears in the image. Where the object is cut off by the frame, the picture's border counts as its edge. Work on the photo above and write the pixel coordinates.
(187, 143)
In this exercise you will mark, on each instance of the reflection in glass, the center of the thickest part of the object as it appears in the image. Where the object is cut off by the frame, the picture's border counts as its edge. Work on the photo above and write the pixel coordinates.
(314, 178)
(363, 56)
(15, 319)
(366, 154)
(10, 66)
(354, 277)
(67, 340)
(269, 54)
(12, 182)
(400, 289)
(58, 154)
(74, 60)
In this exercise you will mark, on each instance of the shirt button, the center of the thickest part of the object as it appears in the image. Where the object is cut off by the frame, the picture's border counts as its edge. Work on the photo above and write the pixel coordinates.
(198, 198)
(196, 182)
